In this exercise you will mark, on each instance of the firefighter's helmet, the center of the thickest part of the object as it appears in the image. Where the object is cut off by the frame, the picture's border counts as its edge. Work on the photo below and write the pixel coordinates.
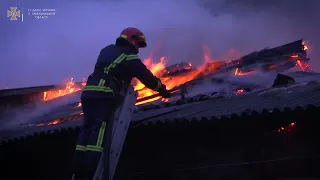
(135, 37)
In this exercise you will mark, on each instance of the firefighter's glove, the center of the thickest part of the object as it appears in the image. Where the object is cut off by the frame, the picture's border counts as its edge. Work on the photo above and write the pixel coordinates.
(164, 92)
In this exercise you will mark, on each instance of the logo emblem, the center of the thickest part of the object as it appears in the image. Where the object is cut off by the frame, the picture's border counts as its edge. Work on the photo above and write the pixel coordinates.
(13, 13)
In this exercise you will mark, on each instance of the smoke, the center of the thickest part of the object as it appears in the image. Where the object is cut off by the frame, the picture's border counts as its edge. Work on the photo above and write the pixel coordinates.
(39, 52)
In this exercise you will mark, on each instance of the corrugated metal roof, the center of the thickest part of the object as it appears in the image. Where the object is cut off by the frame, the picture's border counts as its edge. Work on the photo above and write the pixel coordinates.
(297, 95)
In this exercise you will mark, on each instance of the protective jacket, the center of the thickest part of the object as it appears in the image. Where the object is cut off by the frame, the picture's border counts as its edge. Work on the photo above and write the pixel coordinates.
(116, 66)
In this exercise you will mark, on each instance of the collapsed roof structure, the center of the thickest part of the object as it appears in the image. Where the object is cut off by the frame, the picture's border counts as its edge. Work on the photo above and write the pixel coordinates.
(234, 104)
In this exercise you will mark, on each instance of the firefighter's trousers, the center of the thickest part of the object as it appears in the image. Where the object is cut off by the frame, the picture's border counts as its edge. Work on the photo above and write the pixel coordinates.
(97, 113)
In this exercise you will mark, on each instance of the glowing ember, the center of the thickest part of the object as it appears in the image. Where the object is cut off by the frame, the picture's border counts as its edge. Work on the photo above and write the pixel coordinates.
(304, 66)
(287, 128)
(57, 121)
(238, 73)
(305, 47)
(69, 88)
(74, 117)
(165, 99)
(239, 91)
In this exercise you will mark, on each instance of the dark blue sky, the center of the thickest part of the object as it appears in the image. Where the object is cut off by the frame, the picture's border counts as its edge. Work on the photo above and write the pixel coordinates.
(38, 52)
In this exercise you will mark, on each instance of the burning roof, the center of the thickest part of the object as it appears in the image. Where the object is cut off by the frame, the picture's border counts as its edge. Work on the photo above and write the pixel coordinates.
(276, 59)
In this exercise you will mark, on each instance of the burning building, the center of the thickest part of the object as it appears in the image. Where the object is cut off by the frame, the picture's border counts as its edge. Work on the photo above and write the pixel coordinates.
(253, 132)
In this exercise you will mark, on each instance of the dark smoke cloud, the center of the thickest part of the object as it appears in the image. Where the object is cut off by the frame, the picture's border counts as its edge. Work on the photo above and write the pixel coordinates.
(38, 52)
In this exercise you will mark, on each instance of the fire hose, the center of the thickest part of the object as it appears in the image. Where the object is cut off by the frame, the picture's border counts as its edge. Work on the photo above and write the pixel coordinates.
(172, 91)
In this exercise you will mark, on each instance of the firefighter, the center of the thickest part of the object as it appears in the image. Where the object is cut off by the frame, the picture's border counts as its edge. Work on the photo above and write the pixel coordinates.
(117, 64)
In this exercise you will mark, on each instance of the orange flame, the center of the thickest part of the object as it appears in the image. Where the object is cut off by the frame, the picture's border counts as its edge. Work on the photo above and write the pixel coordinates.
(238, 73)
(207, 67)
(69, 88)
